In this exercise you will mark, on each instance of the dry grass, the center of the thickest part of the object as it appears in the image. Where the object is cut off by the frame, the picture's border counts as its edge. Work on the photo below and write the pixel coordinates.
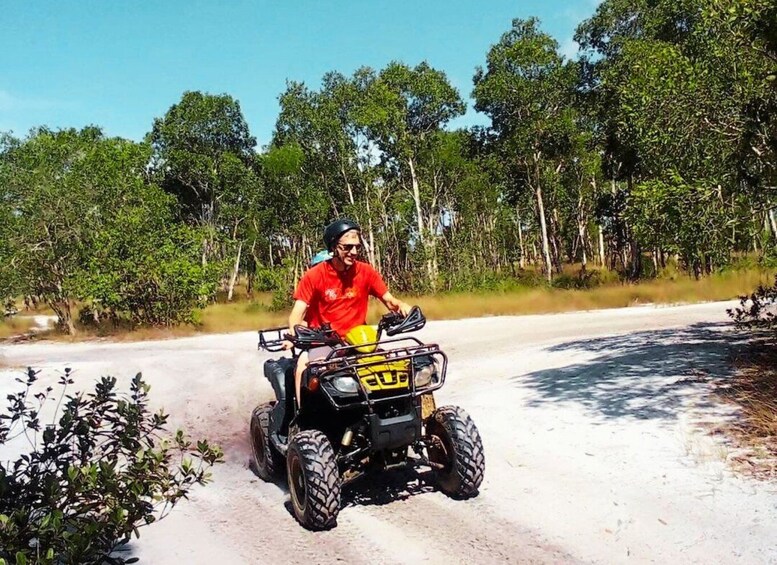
(754, 391)
(544, 300)
(220, 318)
(244, 314)
(14, 326)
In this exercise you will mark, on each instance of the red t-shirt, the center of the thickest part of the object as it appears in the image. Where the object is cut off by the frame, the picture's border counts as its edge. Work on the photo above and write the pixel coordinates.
(339, 298)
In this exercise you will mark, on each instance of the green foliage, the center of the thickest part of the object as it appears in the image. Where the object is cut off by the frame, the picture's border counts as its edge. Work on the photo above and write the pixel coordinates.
(687, 219)
(757, 310)
(150, 273)
(104, 468)
(660, 140)
(85, 225)
(203, 154)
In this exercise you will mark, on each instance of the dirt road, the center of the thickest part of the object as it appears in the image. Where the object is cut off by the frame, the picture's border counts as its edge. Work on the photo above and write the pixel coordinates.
(593, 426)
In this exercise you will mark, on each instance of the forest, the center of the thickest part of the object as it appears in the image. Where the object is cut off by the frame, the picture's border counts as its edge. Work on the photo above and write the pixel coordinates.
(656, 146)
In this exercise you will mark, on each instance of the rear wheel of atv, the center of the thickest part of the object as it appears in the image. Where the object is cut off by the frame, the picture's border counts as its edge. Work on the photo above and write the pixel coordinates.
(265, 459)
(314, 480)
(457, 450)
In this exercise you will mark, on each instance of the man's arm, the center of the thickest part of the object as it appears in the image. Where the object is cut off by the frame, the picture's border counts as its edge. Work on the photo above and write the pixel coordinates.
(395, 304)
(379, 289)
(297, 316)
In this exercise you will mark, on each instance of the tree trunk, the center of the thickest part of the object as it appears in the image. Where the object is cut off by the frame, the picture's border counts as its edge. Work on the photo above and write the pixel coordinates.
(370, 234)
(251, 272)
(602, 258)
(235, 271)
(347, 185)
(420, 218)
(522, 259)
(544, 234)
(555, 227)
(64, 316)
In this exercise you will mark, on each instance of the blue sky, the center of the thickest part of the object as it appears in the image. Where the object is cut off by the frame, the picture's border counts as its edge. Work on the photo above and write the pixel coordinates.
(119, 64)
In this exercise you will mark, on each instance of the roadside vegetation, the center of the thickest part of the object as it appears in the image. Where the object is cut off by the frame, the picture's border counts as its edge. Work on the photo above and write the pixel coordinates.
(754, 387)
(653, 150)
(14, 325)
(510, 297)
(92, 468)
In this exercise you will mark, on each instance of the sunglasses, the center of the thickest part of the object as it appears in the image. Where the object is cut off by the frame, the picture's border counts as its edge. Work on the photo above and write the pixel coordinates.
(347, 247)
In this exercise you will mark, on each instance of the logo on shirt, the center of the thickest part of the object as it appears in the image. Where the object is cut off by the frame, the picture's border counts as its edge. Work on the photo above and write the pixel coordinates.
(331, 294)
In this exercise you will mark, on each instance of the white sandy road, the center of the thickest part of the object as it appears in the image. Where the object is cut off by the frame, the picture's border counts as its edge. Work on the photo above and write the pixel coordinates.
(593, 426)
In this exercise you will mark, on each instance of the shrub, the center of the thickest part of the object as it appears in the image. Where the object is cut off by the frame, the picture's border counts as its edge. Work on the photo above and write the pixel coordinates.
(94, 476)
(756, 311)
(581, 280)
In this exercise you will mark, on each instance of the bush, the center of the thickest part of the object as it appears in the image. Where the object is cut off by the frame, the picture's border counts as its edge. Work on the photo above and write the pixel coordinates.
(147, 271)
(756, 311)
(93, 477)
(580, 281)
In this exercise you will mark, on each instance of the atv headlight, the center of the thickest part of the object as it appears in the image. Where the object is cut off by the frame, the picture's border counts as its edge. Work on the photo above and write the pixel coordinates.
(424, 375)
(345, 384)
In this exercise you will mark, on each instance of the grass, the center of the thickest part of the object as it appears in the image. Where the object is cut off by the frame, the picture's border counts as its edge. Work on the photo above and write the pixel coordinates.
(754, 391)
(15, 325)
(244, 314)
(248, 315)
(721, 286)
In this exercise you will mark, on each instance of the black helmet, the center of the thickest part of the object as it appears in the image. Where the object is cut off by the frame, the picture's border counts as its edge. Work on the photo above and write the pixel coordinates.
(336, 229)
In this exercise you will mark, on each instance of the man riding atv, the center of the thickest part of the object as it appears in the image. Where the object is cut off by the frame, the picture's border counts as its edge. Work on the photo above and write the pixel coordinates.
(363, 399)
(337, 291)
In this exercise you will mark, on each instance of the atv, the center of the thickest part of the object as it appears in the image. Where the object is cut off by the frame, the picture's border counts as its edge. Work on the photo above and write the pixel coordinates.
(366, 404)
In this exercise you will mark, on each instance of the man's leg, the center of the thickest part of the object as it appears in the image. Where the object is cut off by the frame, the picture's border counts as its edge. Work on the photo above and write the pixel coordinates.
(304, 358)
(302, 363)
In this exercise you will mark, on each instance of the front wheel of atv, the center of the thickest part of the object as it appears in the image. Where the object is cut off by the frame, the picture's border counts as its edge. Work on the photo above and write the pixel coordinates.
(266, 460)
(314, 480)
(457, 450)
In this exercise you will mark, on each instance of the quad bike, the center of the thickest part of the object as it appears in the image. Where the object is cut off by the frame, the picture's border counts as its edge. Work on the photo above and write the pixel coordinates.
(368, 404)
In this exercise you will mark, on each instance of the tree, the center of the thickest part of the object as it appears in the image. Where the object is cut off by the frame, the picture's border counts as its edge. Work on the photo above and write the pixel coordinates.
(526, 90)
(681, 89)
(316, 127)
(687, 219)
(82, 221)
(202, 151)
(401, 110)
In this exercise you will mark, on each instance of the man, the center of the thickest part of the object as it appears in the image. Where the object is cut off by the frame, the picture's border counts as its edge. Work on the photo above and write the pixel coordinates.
(337, 291)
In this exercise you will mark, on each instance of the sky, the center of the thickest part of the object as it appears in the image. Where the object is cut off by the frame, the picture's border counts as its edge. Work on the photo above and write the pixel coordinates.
(119, 64)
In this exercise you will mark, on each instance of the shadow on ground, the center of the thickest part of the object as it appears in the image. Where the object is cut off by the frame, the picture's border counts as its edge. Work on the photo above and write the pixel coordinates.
(642, 375)
(377, 489)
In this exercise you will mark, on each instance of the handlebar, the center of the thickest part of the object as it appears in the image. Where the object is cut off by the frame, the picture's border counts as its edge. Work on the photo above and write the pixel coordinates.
(272, 339)
(392, 323)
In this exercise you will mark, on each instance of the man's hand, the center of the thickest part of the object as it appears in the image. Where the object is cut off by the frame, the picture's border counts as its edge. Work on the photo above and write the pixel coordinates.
(396, 305)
